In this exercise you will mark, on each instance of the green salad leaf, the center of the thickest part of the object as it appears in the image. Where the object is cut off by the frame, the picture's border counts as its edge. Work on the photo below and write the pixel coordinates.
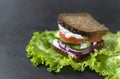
(106, 61)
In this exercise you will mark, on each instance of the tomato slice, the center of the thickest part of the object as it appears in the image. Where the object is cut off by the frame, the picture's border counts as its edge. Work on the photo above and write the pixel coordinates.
(95, 38)
(71, 40)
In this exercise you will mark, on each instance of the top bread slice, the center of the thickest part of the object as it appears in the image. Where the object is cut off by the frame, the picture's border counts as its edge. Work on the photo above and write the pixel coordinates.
(82, 23)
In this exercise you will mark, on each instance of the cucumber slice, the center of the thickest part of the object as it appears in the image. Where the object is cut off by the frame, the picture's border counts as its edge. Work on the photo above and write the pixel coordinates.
(81, 46)
(76, 46)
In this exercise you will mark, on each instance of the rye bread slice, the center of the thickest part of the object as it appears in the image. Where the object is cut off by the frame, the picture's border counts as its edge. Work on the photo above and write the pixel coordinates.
(82, 23)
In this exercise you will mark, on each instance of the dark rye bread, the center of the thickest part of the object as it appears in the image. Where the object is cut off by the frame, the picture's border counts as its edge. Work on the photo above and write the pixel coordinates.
(82, 23)
(78, 58)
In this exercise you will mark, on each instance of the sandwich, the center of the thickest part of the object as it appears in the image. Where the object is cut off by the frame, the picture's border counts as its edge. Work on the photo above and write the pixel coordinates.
(79, 34)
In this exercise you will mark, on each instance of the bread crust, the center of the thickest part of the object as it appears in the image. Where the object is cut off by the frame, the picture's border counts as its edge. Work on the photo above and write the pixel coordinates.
(82, 23)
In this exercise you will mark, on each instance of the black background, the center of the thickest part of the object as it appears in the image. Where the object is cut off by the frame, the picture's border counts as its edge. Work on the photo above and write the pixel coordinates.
(20, 18)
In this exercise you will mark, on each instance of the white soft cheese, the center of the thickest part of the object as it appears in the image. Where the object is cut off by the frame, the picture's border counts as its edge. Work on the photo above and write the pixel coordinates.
(94, 43)
(55, 43)
(69, 34)
(83, 45)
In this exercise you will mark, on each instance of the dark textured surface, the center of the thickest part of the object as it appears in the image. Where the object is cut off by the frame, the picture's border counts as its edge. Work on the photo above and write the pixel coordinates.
(20, 18)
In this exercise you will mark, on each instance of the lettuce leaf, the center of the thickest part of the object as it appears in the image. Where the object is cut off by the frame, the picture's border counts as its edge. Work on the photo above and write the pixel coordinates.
(106, 61)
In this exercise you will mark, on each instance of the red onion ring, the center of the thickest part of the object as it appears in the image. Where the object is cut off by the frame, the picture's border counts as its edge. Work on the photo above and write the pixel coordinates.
(61, 46)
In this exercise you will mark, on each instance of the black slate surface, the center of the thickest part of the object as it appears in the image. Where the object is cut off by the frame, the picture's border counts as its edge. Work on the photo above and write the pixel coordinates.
(20, 18)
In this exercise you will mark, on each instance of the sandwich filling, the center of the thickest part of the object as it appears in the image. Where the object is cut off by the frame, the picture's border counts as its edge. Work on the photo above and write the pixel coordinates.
(69, 34)
(69, 49)
(74, 44)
